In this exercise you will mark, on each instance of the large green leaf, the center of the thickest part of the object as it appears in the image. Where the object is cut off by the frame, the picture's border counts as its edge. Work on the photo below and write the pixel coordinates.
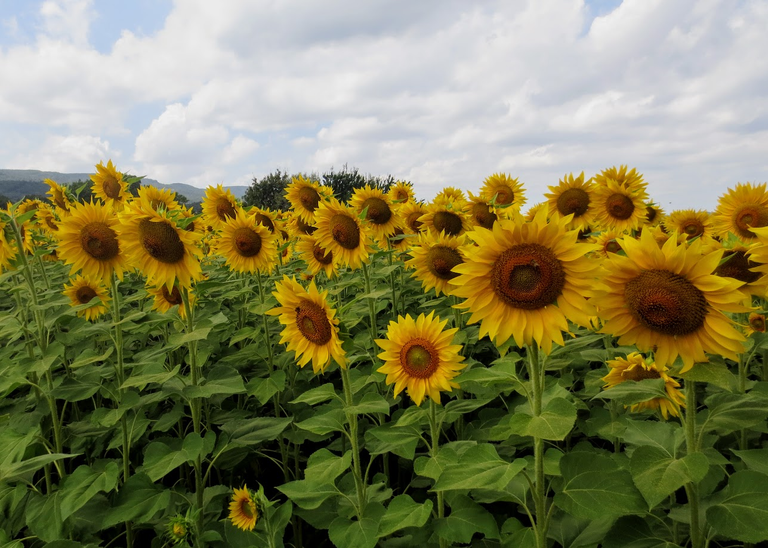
(371, 402)
(404, 512)
(254, 431)
(401, 441)
(755, 459)
(480, 467)
(657, 475)
(634, 532)
(18, 469)
(324, 467)
(84, 483)
(161, 459)
(630, 393)
(138, 501)
(322, 393)
(346, 533)
(326, 419)
(220, 380)
(741, 509)
(731, 412)
(555, 422)
(308, 494)
(466, 518)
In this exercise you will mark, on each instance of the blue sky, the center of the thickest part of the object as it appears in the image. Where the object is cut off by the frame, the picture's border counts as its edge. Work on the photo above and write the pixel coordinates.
(438, 92)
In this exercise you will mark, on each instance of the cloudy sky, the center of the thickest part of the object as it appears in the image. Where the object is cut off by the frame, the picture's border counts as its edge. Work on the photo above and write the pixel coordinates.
(437, 92)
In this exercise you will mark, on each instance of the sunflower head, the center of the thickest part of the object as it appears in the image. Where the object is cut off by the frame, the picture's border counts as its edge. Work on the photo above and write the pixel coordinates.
(84, 291)
(572, 196)
(108, 185)
(607, 242)
(619, 207)
(317, 258)
(756, 323)
(59, 196)
(503, 191)
(690, 222)
(7, 250)
(450, 217)
(246, 245)
(449, 194)
(481, 213)
(165, 299)
(158, 198)
(264, 217)
(635, 368)
(379, 212)
(410, 212)
(401, 192)
(179, 528)
(624, 177)
(654, 214)
(218, 206)
(434, 258)
(740, 210)
(305, 196)
(244, 510)
(340, 231)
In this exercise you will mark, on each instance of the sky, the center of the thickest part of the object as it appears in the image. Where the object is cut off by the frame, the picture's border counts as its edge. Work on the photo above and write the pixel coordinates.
(435, 92)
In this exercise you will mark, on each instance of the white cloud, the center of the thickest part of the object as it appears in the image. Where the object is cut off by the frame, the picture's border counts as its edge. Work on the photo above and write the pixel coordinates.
(67, 153)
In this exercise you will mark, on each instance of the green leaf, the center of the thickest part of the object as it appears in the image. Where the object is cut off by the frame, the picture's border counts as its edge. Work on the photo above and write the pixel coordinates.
(555, 422)
(180, 339)
(662, 435)
(433, 467)
(79, 388)
(634, 532)
(755, 459)
(138, 501)
(90, 356)
(254, 431)
(327, 419)
(264, 389)
(317, 395)
(480, 467)
(712, 372)
(324, 467)
(389, 438)
(221, 380)
(43, 514)
(160, 377)
(731, 412)
(404, 512)
(308, 494)
(466, 518)
(741, 511)
(84, 483)
(371, 402)
(357, 534)
(160, 459)
(17, 469)
(657, 475)
(629, 393)
(594, 487)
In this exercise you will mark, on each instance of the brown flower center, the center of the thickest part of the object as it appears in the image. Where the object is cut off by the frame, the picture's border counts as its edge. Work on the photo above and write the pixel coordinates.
(504, 196)
(85, 294)
(619, 206)
(441, 260)
(650, 214)
(345, 231)
(174, 297)
(483, 215)
(225, 209)
(248, 508)
(265, 221)
(246, 241)
(309, 198)
(736, 265)
(413, 221)
(99, 241)
(612, 246)
(573, 200)
(448, 222)
(666, 302)
(112, 188)
(303, 227)
(59, 200)
(640, 373)
(401, 194)
(161, 241)
(693, 228)
(321, 256)
(313, 322)
(528, 276)
(750, 216)
(419, 358)
(757, 322)
(378, 211)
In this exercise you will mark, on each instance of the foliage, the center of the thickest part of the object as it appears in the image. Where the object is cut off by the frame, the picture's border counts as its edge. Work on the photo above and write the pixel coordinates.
(268, 192)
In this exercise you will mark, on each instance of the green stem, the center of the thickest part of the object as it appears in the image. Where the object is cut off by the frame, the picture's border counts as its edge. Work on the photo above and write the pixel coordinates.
(41, 264)
(691, 489)
(371, 305)
(357, 468)
(434, 431)
(536, 376)
(743, 371)
(392, 286)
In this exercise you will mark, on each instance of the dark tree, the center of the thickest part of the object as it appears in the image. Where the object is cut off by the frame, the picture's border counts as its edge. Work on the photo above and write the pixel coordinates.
(86, 194)
(268, 192)
(344, 182)
(181, 198)
(4, 200)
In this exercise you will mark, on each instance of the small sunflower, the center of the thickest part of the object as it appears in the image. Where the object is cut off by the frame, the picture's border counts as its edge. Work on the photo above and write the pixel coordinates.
(618, 207)
(381, 217)
(627, 178)
(653, 214)
(607, 243)
(246, 245)
(341, 232)
(88, 241)
(47, 219)
(318, 259)
(305, 196)
(418, 355)
(572, 196)
(108, 185)
(449, 216)
(740, 210)
(635, 368)
(311, 328)
(502, 190)
(218, 205)
(669, 300)
(244, 510)
(530, 215)
(693, 223)
(737, 263)
(7, 250)
(411, 212)
(756, 324)
(159, 198)
(399, 240)
(165, 299)
(434, 258)
(449, 194)
(156, 246)
(82, 290)
(178, 529)
(525, 280)
(401, 192)
(481, 213)
(264, 217)
(59, 196)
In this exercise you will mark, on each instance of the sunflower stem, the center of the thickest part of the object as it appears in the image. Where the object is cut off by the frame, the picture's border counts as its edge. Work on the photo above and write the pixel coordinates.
(371, 305)
(743, 371)
(536, 376)
(353, 439)
(41, 264)
(434, 432)
(691, 489)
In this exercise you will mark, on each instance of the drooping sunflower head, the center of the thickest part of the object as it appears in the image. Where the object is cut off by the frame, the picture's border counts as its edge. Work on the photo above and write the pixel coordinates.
(481, 213)
(690, 222)
(341, 231)
(380, 214)
(410, 213)
(164, 299)
(298, 227)
(627, 178)
(418, 356)
(218, 206)
(618, 207)
(401, 192)
(158, 247)
(244, 509)
(305, 197)
(87, 291)
(264, 217)
(311, 328)
(503, 191)
(47, 219)
(108, 185)
(59, 196)
(158, 198)
(635, 368)
(433, 257)
(88, 240)
(246, 245)
(572, 196)
(7, 250)
(654, 214)
(669, 299)
(318, 259)
(740, 210)
(526, 279)
(450, 217)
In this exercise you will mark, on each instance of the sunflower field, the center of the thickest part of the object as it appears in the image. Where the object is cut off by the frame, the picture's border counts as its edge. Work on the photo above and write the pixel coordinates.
(586, 372)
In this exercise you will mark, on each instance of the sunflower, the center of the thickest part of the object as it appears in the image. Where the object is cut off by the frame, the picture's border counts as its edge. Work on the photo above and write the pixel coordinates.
(246, 245)
(178, 529)
(399, 240)
(108, 185)
(669, 300)
(82, 290)
(653, 214)
(47, 219)
(449, 216)
(630, 180)
(516, 274)
(739, 265)
(418, 355)
(341, 232)
(502, 190)
(572, 196)
(434, 258)
(243, 510)
(607, 243)
(159, 198)
(155, 245)
(693, 223)
(297, 227)
(382, 219)
(635, 368)
(481, 213)
(264, 217)
(740, 210)
(59, 196)
(318, 259)
(449, 194)
(530, 215)
(305, 197)
(618, 207)
(194, 225)
(401, 192)
(88, 241)
(411, 212)
(165, 299)
(218, 205)
(311, 328)
(7, 250)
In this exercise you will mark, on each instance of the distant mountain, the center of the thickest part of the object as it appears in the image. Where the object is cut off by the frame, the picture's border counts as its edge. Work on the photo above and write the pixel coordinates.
(17, 183)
